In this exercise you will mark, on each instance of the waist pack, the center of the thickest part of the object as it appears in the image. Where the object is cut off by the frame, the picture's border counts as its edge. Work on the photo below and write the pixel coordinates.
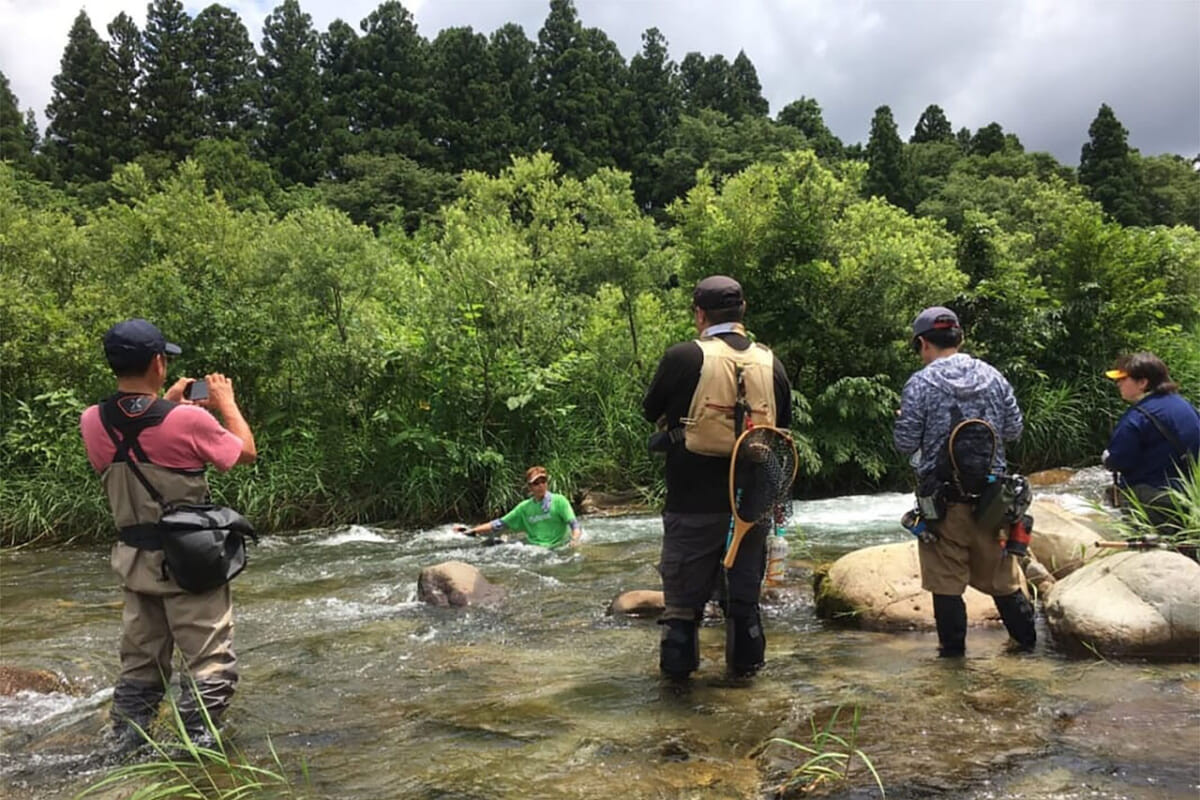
(204, 546)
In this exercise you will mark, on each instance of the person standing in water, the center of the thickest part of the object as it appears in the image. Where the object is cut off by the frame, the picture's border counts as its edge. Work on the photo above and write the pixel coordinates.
(545, 518)
(692, 398)
(173, 440)
(954, 549)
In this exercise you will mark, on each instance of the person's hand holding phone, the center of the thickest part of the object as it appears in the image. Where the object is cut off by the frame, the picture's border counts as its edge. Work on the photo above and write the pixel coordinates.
(220, 393)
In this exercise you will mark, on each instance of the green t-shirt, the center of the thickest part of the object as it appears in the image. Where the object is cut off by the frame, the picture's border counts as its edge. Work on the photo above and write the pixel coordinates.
(546, 527)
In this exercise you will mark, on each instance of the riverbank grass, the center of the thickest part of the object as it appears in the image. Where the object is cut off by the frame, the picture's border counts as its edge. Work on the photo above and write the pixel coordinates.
(207, 767)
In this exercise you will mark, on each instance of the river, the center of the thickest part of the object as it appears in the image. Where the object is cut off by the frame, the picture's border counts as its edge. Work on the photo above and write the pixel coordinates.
(545, 696)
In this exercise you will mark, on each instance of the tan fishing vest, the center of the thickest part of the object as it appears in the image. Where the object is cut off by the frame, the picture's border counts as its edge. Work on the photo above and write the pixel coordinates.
(708, 427)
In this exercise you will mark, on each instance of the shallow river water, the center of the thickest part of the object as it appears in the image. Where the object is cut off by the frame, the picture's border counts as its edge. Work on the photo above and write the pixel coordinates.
(545, 696)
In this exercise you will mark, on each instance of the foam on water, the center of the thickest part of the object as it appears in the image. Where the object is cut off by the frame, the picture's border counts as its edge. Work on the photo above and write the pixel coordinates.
(851, 511)
(26, 708)
(355, 533)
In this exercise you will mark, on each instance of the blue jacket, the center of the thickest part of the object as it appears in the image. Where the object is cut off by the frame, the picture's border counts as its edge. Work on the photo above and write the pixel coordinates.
(1140, 452)
(927, 406)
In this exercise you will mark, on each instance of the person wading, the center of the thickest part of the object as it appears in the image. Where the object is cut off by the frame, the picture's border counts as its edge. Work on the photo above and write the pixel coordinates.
(954, 549)
(172, 440)
(545, 518)
(692, 398)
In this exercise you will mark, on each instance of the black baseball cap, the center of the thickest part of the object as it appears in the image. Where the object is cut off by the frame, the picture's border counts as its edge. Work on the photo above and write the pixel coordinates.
(717, 291)
(934, 318)
(132, 343)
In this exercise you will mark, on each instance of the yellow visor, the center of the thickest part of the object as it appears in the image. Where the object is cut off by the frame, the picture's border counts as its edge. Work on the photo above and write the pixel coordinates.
(1116, 374)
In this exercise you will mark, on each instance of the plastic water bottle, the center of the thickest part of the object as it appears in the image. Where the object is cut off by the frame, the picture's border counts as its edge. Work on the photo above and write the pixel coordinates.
(777, 553)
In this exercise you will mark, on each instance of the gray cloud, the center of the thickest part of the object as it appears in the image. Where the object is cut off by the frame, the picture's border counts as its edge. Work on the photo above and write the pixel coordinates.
(1039, 68)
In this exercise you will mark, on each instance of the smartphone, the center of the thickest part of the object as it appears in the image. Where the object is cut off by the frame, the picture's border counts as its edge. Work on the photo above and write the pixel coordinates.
(196, 390)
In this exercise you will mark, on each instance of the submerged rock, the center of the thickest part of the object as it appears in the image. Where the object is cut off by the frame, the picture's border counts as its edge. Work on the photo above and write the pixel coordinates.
(1142, 604)
(879, 588)
(638, 603)
(19, 679)
(455, 583)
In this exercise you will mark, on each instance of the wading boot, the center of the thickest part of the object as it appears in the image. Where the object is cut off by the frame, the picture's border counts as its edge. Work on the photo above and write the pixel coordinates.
(745, 645)
(679, 648)
(1018, 615)
(950, 616)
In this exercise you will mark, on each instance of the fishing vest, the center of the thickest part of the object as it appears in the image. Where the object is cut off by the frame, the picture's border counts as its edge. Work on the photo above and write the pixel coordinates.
(135, 512)
(708, 427)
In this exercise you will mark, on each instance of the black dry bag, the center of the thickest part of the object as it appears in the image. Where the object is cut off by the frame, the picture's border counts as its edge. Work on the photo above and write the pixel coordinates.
(204, 545)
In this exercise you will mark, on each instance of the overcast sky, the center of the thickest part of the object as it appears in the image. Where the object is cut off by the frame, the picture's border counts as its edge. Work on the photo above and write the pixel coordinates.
(1041, 68)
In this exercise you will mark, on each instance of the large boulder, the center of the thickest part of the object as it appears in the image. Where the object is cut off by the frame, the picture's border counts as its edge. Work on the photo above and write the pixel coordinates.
(1063, 541)
(454, 583)
(1141, 604)
(879, 588)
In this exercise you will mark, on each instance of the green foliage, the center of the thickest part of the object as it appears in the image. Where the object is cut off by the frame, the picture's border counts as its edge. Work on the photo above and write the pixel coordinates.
(1107, 168)
(885, 160)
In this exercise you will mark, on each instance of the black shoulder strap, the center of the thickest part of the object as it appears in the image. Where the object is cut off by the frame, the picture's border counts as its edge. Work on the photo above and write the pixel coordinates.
(1171, 438)
(130, 415)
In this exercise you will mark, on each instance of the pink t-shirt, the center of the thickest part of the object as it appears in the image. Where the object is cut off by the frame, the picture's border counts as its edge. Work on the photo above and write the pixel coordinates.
(188, 438)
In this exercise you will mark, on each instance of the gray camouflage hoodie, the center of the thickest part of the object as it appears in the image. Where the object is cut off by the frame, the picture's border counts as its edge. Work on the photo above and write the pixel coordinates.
(928, 400)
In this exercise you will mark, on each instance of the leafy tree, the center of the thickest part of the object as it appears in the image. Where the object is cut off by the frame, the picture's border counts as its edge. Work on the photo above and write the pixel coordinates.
(229, 168)
(126, 119)
(1108, 170)
(805, 115)
(932, 127)
(226, 79)
(167, 97)
(987, 140)
(963, 137)
(1171, 187)
(291, 135)
(16, 144)
(719, 145)
(392, 99)
(743, 95)
(377, 189)
(885, 160)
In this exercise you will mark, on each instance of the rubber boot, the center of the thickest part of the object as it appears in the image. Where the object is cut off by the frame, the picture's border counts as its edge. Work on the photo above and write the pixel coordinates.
(199, 723)
(1017, 613)
(679, 648)
(745, 645)
(134, 705)
(950, 615)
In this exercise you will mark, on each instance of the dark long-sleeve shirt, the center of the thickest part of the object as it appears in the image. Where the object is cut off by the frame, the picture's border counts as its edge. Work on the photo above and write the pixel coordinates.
(699, 484)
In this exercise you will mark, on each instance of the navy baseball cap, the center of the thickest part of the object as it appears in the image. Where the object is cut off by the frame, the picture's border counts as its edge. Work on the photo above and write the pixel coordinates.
(935, 318)
(132, 343)
(717, 291)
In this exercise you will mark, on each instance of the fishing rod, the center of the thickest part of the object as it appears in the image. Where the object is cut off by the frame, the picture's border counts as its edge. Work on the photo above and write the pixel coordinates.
(1151, 543)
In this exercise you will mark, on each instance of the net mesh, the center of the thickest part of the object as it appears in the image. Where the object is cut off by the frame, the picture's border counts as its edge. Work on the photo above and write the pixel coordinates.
(764, 464)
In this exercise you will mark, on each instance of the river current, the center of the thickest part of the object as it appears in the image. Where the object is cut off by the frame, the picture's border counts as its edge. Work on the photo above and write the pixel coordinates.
(546, 696)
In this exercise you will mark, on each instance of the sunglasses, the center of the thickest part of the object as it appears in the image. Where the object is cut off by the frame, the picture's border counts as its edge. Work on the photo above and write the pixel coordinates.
(536, 481)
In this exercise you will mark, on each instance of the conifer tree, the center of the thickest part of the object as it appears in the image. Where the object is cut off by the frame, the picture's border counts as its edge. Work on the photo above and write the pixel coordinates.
(337, 61)
(805, 115)
(465, 109)
(743, 91)
(932, 126)
(655, 94)
(392, 93)
(518, 127)
(16, 142)
(1108, 170)
(885, 160)
(76, 138)
(125, 72)
(578, 76)
(987, 140)
(223, 62)
(291, 134)
(167, 97)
